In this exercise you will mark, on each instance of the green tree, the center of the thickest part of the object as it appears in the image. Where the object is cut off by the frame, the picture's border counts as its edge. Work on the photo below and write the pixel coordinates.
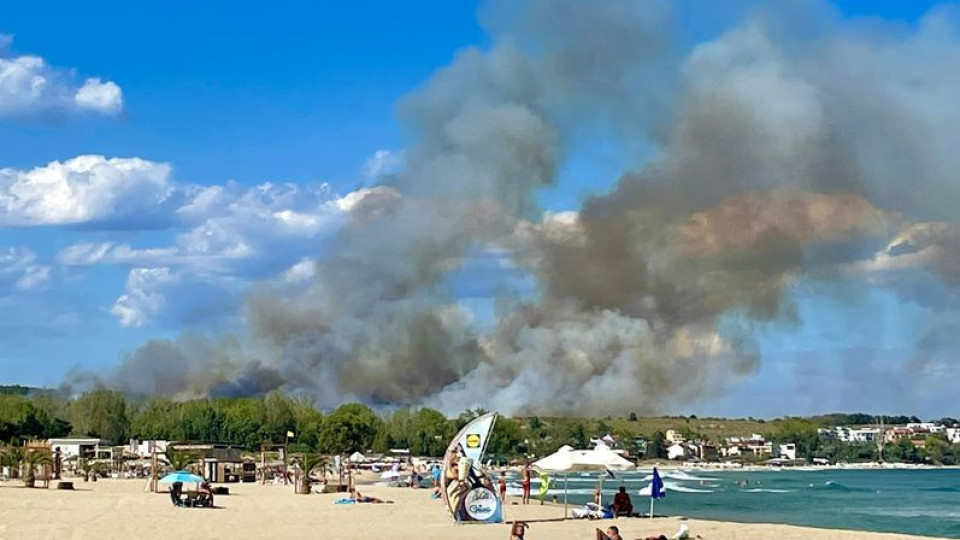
(350, 428)
(180, 460)
(12, 457)
(101, 413)
(310, 463)
(158, 418)
(31, 460)
(200, 420)
(278, 417)
(431, 431)
(658, 446)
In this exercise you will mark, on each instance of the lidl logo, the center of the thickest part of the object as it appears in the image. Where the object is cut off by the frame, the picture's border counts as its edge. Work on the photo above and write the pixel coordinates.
(473, 440)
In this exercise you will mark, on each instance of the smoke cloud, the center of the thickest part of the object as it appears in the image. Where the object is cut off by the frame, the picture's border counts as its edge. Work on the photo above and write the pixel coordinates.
(792, 146)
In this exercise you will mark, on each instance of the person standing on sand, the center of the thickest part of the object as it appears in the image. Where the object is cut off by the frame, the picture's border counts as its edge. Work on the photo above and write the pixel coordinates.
(525, 476)
(503, 487)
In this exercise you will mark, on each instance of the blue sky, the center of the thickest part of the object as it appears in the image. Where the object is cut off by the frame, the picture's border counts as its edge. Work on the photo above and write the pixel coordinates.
(299, 94)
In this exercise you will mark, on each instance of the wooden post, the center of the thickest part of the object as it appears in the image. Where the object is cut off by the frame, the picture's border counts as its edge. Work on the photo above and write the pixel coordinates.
(153, 471)
(263, 466)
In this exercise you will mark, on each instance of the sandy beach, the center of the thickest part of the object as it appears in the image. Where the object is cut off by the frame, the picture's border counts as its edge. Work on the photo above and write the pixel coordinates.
(120, 509)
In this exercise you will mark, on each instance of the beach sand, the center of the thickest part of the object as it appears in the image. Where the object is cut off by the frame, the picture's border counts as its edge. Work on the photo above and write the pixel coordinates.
(120, 509)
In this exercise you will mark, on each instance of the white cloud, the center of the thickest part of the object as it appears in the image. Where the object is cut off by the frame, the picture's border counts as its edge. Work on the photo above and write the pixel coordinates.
(229, 235)
(86, 188)
(20, 268)
(104, 97)
(28, 85)
(302, 272)
(383, 162)
(142, 299)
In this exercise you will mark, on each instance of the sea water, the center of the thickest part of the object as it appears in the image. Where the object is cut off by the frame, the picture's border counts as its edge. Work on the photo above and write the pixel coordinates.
(910, 501)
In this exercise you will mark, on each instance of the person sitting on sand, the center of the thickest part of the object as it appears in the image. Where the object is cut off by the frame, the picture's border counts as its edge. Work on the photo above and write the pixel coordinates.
(205, 495)
(517, 531)
(621, 503)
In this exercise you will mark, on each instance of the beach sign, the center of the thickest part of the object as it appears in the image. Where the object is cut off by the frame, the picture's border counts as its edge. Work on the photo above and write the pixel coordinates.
(464, 487)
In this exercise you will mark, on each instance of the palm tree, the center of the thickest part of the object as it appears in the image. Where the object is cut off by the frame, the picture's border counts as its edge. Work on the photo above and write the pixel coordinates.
(309, 463)
(31, 460)
(11, 457)
(180, 460)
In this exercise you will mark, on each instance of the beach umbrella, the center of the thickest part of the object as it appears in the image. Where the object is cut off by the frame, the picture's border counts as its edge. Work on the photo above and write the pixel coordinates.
(567, 460)
(181, 476)
(656, 489)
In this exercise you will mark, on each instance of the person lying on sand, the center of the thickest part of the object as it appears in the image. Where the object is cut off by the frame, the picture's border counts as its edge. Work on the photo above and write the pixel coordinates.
(355, 495)
(682, 534)
(613, 533)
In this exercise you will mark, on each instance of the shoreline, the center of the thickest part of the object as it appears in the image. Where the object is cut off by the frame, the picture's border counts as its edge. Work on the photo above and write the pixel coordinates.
(120, 509)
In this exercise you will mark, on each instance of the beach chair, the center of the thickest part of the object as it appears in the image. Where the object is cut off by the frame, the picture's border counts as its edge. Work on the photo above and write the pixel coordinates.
(192, 499)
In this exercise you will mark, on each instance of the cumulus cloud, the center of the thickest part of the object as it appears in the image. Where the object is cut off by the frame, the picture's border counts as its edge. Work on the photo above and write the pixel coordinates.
(142, 298)
(84, 189)
(29, 85)
(96, 95)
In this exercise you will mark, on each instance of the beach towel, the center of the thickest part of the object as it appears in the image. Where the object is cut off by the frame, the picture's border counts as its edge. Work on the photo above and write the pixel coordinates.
(345, 501)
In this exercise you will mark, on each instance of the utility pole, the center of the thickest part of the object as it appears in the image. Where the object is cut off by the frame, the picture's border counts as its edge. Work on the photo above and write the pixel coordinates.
(881, 438)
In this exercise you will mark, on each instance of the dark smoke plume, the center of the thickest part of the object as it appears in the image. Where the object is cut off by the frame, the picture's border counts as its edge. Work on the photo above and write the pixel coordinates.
(792, 146)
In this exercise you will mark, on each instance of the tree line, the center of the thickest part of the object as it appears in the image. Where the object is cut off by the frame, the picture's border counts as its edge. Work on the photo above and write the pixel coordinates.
(251, 421)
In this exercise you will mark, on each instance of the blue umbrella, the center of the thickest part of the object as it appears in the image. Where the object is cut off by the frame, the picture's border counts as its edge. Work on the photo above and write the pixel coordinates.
(656, 489)
(181, 476)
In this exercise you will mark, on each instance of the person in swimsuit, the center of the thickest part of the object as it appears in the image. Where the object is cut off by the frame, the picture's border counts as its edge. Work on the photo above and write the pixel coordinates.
(526, 483)
(503, 487)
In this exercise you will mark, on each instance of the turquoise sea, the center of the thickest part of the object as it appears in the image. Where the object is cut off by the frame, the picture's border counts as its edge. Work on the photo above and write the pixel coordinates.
(911, 501)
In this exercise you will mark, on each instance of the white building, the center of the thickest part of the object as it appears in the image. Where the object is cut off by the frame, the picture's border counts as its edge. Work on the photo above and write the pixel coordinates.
(76, 447)
(145, 449)
(864, 435)
(676, 451)
(673, 436)
(787, 451)
(925, 427)
(953, 435)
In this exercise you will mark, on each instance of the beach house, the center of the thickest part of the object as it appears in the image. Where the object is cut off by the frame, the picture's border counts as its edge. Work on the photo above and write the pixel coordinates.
(77, 447)
(676, 451)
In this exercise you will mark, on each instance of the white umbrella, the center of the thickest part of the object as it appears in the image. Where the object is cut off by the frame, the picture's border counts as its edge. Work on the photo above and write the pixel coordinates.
(357, 457)
(566, 460)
